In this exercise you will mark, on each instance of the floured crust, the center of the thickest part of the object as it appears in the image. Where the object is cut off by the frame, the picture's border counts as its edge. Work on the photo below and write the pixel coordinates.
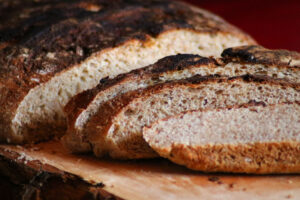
(35, 50)
(99, 124)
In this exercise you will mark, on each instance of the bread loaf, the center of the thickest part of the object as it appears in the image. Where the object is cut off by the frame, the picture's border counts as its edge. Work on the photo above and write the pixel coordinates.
(85, 105)
(116, 128)
(245, 139)
(53, 50)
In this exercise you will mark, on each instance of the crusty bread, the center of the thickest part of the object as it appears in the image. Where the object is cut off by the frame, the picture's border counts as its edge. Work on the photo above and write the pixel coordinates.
(252, 138)
(54, 50)
(86, 104)
(116, 128)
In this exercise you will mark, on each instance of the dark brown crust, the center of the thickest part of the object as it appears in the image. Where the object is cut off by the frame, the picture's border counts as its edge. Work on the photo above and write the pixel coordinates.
(100, 123)
(260, 55)
(34, 180)
(73, 31)
(168, 64)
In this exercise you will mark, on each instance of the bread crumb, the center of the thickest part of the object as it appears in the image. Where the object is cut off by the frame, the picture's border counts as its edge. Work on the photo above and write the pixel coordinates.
(24, 157)
(51, 55)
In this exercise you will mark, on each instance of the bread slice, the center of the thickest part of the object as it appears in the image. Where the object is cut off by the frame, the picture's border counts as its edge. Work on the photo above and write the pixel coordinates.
(116, 128)
(50, 62)
(253, 138)
(86, 104)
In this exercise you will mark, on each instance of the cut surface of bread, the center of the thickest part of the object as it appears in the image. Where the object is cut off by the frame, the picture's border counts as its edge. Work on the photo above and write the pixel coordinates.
(82, 107)
(247, 139)
(45, 63)
(116, 128)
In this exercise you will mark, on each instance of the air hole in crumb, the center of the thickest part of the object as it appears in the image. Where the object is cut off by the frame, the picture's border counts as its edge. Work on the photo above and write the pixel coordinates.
(219, 92)
(59, 92)
(194, 90)
(129, 112)
(83, 78)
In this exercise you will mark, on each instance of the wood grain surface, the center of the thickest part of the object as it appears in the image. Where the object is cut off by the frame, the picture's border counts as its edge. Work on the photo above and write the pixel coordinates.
(152, 179)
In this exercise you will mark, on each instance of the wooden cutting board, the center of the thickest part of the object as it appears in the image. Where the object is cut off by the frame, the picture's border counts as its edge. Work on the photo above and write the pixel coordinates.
(153, 179)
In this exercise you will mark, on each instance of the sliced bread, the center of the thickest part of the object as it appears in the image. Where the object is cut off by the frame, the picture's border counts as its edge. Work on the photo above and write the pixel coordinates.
(252, 138)
(54, 50)
(83, 106)
(116, 128)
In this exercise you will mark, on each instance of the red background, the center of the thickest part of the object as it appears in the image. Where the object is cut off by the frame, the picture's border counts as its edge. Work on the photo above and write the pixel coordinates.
(272, 23)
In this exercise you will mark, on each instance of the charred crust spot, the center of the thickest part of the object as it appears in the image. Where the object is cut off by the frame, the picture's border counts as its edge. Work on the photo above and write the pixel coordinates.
(250, 78)
(104, 80)
(179, 62)
(101, 185)
(198, 78)
(241, 53)
(259, 55)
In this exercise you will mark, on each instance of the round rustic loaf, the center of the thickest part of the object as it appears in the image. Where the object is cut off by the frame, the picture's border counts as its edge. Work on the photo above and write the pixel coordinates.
(53, 50)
